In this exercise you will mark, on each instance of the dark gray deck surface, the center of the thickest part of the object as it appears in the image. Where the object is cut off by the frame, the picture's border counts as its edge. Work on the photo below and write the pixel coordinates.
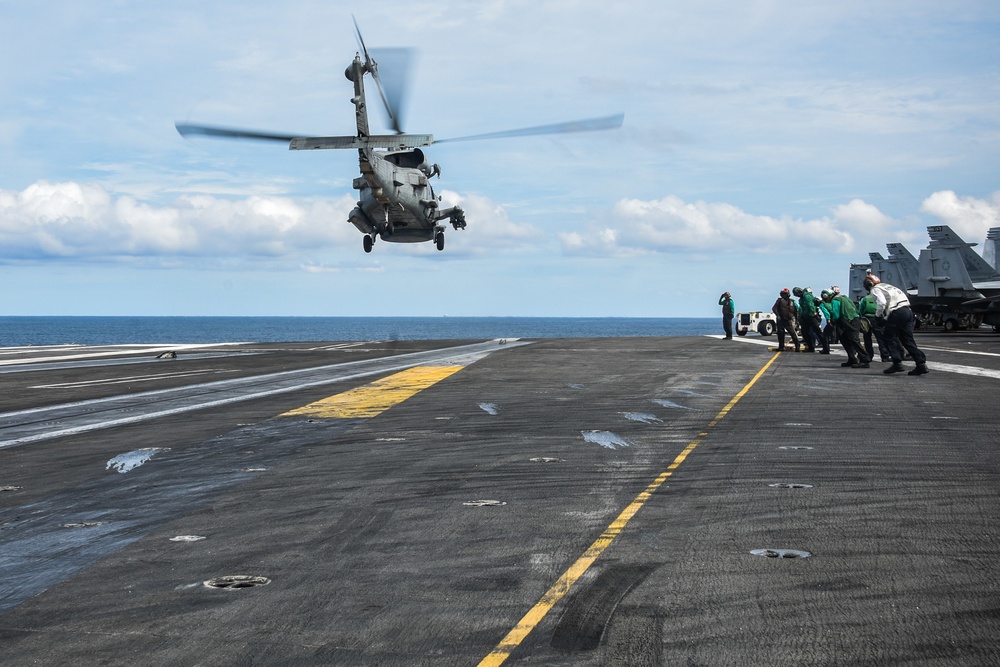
(374, 559)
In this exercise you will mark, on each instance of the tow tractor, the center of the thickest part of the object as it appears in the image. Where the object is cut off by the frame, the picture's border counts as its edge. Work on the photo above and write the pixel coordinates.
(759, 321)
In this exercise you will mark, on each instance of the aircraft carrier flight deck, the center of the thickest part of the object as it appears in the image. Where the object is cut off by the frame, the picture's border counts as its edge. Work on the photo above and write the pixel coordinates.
(610, 501)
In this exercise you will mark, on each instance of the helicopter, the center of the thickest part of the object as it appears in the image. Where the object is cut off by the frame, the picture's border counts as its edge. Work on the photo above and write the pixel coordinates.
(396, 202)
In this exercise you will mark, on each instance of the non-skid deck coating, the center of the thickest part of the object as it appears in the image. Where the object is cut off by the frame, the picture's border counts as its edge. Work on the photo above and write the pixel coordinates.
(377, 553)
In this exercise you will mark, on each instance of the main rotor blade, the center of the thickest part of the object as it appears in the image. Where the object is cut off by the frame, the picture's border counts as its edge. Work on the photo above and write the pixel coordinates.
(587, 125)
(298, 142)
(187, 129)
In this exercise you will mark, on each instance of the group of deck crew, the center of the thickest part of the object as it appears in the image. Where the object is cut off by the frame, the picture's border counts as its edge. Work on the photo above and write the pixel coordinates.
(883, 314)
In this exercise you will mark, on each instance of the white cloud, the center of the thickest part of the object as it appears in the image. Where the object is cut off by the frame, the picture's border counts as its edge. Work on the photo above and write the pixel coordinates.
(86, 222)
(862, 219)
(83, 221)
(489, 227)
(672, 225)
(970, 217)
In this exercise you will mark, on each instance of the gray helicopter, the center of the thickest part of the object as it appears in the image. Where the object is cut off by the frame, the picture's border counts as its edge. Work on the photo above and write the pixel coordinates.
(396, 201)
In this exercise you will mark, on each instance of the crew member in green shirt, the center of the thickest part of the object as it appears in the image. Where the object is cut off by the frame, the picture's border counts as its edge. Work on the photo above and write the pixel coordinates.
(728, 311)
(848, 323)
(807, 320)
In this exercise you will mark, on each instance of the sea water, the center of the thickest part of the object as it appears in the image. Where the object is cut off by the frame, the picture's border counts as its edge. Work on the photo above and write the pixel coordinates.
(20, 331)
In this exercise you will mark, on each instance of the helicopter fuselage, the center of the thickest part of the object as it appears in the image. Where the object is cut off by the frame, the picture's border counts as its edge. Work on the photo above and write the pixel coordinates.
(396, 201)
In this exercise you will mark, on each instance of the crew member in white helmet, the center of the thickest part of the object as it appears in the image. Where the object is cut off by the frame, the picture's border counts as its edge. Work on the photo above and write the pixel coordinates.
(893, 306)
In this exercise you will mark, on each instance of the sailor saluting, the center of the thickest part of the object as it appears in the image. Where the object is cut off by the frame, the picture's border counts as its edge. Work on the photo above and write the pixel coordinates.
(728, 312)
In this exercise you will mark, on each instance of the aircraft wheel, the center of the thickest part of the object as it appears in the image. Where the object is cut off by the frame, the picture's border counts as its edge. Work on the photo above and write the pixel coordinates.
(951, 325)
(368, 243)
(439, 240)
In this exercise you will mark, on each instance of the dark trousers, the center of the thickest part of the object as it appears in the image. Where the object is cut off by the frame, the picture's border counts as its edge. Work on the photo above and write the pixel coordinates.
(811, 332)
(783, 326)
(866, 338)
(850, 338)
(876, 332)
(898, 334)
(883, 349)
(727, 325)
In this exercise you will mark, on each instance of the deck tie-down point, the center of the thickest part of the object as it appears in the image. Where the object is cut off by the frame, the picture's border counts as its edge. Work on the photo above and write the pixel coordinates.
(781, 553)
(231, 582)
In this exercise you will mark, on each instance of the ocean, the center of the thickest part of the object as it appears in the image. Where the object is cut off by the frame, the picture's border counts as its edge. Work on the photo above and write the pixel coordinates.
(21, 331)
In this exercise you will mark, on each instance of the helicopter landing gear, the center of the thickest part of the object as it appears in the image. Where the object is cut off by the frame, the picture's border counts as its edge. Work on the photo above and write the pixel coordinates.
(368, 242)
(439, 240)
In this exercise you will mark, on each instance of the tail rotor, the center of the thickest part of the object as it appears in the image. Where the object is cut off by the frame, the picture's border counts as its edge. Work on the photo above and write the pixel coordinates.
(392, 86)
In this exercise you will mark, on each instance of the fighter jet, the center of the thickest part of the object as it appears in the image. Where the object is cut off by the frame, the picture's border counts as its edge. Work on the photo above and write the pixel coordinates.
(950, 285)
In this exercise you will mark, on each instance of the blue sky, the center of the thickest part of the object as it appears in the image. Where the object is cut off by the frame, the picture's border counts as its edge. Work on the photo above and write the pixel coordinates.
(766, 144)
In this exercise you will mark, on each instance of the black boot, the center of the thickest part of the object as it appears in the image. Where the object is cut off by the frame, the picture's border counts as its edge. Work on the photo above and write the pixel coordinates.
(919, 370)
(895, 368)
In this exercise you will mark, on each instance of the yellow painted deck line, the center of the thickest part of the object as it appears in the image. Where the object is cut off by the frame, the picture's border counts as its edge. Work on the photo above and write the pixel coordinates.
(372, 399)
(559, 589)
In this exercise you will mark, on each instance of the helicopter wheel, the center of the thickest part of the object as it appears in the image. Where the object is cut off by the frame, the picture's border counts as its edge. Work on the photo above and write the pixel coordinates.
(368, 243)
(439, 240)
